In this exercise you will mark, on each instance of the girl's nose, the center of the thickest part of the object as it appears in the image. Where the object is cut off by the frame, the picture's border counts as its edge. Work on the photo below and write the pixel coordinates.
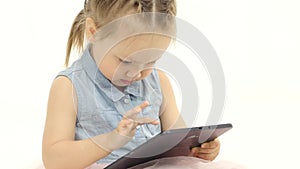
(134, 74)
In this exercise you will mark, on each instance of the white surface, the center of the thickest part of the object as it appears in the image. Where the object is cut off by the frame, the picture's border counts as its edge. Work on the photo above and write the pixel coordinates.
(257, 42)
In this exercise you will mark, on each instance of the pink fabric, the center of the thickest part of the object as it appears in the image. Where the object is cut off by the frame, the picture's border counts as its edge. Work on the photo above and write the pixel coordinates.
(172, 163)
(187, 163)
(96, 166)
(180, 163)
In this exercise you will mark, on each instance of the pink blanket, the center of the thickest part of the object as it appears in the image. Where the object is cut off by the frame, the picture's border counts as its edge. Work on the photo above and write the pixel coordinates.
(179, 163)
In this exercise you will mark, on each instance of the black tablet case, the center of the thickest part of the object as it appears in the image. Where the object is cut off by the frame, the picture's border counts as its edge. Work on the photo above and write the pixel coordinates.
(177, 142)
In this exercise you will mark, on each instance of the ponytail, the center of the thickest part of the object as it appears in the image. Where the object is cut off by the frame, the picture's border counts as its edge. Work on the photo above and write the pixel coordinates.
(166, 6)
(147, 5)
(76, 37)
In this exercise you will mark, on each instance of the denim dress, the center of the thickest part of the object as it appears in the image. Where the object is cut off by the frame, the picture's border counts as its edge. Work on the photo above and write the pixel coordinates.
(101, 105)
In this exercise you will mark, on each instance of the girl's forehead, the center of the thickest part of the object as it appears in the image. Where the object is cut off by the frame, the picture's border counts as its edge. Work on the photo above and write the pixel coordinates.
(141, 44)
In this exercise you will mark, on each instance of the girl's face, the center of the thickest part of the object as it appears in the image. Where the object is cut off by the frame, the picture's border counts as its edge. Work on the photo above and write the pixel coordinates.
(133, 59)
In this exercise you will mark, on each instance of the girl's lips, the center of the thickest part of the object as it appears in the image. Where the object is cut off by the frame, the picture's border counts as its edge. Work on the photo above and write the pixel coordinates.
(127, 82)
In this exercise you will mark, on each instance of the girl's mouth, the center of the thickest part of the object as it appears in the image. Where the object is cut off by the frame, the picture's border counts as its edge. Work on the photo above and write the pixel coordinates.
(127, 82)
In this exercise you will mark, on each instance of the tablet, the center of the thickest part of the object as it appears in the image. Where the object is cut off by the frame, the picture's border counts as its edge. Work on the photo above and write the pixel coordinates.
(170, 143)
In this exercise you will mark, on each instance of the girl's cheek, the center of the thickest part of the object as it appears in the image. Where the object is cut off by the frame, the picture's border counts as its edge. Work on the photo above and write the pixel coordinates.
(147, 72)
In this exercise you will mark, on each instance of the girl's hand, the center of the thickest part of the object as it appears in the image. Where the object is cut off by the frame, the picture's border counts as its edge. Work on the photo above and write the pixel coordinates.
(207, 151)
(125, 130)
(127, 126)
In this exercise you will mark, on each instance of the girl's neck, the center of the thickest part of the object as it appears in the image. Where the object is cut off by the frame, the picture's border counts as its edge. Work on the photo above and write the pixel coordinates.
(121, 88)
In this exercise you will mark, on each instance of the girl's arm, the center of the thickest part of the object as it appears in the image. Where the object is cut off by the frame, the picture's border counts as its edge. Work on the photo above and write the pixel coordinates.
(60, 150)
(170, 118)
(169, 114)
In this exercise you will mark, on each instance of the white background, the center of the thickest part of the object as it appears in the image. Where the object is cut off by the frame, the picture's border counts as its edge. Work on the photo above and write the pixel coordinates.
(257, 42)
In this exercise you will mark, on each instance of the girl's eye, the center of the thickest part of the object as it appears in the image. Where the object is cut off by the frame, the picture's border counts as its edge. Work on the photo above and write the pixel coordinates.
(151, 63)
(124, 61)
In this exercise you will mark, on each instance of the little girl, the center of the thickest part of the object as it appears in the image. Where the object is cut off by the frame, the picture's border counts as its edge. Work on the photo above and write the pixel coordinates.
(112, 99)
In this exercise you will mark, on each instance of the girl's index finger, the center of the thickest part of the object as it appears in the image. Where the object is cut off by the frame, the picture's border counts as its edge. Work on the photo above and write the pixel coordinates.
(137, 109)
(140, 107)
(143, 105)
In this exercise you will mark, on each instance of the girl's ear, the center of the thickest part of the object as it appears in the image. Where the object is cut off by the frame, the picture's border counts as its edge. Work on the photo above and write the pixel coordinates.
(90, 29)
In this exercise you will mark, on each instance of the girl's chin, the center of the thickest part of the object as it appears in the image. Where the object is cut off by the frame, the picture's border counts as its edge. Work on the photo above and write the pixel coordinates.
(124, 82)
(121, 83)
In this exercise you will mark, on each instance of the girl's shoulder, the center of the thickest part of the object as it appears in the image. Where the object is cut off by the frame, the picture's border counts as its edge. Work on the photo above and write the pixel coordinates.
(69, 71)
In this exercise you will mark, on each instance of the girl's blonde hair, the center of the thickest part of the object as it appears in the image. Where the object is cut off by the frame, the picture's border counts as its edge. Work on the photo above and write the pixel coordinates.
(105, 11)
